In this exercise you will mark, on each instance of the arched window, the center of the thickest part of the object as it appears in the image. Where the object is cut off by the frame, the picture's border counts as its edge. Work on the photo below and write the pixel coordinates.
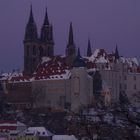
(34, 50)
(28, 50)
(40, 51)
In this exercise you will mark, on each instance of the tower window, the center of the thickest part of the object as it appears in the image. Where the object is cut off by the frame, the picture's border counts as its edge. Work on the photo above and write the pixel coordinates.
(28, 51)
(34, 50)
(40, 51)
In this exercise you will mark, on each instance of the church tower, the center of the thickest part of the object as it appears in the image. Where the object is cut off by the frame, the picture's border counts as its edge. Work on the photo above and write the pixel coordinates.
(30, 46)
(89, 51)
(46, 47)
(117, 53)
(70, 49)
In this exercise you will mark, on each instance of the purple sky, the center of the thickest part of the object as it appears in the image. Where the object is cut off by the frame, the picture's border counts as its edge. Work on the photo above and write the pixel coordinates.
(106, 22)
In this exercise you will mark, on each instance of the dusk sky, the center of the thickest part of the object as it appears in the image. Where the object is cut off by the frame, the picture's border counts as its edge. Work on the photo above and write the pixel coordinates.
(105, 22)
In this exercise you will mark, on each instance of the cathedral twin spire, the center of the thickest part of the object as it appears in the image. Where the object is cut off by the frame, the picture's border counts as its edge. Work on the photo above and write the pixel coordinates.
(37, 47)
(31, 29)
(47, 35)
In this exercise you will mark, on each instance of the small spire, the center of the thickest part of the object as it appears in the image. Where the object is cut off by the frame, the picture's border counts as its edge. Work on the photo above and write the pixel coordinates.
(31, 29)
(31, 18)
(116, 53)
(46, 20)
(79, 54)
(89, 52)
(71, 42)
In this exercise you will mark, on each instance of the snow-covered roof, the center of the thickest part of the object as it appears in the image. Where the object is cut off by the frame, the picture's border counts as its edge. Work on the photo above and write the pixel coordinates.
(99, 56)
(56, 68)
(42, 131)
(52, 69)
(11, 123)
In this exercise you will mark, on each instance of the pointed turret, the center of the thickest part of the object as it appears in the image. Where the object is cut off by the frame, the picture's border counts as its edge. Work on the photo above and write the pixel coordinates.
(116, 53)
(79, 62)
(70, 41)
(31, 29)
(46, 37)
(46, 31)
(79, 54)
(89, 51)
(71, 49)
(31, 18)
(46, 20)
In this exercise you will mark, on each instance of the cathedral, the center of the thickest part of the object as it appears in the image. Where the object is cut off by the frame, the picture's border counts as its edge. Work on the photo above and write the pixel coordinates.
(36, 47)
(71, 81)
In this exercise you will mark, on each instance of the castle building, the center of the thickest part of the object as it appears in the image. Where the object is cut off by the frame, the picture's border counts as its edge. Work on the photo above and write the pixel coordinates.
(69, 82)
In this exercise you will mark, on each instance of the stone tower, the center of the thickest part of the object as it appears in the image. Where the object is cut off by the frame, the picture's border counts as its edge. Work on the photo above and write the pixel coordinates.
(34, 47)
(46, 39)
(30, 45)
(81, 84)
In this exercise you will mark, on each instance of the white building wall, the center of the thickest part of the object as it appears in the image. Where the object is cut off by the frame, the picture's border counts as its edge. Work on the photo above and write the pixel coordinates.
(81, 89)
(133, 88)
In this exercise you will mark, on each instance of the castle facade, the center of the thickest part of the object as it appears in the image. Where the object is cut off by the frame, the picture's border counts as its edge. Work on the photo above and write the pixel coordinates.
(72, 81)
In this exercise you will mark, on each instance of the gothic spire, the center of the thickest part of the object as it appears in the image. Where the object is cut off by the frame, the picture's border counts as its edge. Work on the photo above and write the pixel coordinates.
(79, 54)
(46, 19)
(79, 62)
(116, 53)
(31, 18)
(70, 41)
(31, 29)
(89, 52)
(71, 49)
(46, 30)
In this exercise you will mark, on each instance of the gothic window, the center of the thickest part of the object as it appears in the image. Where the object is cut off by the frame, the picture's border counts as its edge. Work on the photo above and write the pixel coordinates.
(125, 86)
(34, 50)
(34, 61)
(135, 87)
(40, 51)
(76, 86)
(28, 51)
(134, 78)
(1, 87)
(62, 100)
